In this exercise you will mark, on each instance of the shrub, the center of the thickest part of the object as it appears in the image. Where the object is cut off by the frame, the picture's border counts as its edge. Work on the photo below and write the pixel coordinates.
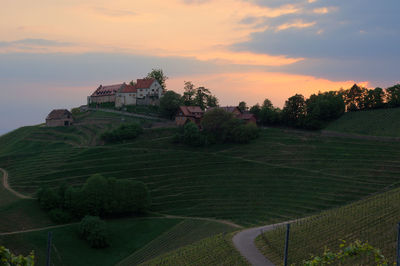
(94, 231)
(192, 136)
(8, 258)
(123, 132)
(245, 133)
(48, 198)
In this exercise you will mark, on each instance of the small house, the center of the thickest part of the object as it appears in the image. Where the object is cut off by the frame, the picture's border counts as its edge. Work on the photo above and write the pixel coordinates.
(59, 118)
(126, 95)
(186, 114)
(247, 117)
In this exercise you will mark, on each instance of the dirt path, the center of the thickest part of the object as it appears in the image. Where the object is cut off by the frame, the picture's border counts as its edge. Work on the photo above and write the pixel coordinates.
(7, 186)
(35, 229)
(244, 242)
(204, 219)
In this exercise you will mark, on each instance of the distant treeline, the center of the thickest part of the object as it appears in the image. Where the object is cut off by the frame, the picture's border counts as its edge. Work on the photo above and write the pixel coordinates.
(318, 110)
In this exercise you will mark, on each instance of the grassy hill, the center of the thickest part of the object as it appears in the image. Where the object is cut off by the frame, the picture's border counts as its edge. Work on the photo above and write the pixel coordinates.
(281, 176)
(373, 220)
(381, 122)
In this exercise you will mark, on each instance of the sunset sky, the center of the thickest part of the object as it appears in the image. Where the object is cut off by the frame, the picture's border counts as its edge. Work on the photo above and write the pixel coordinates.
(55, 53)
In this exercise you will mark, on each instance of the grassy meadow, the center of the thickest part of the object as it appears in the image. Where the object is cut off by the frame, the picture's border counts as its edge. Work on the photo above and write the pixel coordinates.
(373, 220)
(380, 122)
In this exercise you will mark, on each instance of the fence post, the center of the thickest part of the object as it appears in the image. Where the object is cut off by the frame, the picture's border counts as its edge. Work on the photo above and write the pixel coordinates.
(286, 245)
(49, 238)
(398, 245)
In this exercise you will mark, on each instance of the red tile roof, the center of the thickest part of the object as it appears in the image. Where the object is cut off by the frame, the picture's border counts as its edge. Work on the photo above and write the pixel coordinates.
(144, 83)
(128, 89)
(194, 111)
(108, 90)
(58, 114)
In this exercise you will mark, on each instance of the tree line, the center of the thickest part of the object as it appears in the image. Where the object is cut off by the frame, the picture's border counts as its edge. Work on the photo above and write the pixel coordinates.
(320, 109)
(99, 196)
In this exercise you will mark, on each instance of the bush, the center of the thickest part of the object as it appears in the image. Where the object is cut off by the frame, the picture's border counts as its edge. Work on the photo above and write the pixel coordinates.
(245, 133)
(192, 136)
(94, 231)
(8, 258)
(48, 198)
(123, 132)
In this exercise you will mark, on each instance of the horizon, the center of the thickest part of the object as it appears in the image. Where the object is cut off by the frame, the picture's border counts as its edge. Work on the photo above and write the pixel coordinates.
(53, 55)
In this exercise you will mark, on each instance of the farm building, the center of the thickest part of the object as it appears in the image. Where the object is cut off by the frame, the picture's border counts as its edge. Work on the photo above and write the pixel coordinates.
(189, 113)
(126, 95)
(105, 94)
(245, 116)
(59, 118)
(149, 91)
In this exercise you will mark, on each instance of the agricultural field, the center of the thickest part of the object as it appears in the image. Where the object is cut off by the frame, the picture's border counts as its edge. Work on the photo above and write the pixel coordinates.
(282, 175)
(381, 122)
(217, 250)
(373, 220)
(127, 235)
(184, 233)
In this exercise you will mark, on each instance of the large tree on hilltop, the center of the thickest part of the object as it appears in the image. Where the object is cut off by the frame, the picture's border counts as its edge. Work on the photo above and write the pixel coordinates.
(158, 75)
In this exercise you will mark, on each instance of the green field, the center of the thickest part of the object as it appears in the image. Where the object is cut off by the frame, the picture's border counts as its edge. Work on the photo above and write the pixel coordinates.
(280, 176)
(217, 250)
(373, 220)
(184, 233)
(381, 122)
(127, 236)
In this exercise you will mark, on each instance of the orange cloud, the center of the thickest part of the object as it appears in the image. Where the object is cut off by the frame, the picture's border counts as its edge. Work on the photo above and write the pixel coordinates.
(296, 24)
(254, 87)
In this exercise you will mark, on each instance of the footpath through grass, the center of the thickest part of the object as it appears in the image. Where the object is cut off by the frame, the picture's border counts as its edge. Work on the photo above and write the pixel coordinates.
(381, 122)
(281, 176)
(127, 236)
(373, 220)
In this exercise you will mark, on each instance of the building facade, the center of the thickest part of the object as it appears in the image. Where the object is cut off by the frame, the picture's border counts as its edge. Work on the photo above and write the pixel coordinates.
(59, 118)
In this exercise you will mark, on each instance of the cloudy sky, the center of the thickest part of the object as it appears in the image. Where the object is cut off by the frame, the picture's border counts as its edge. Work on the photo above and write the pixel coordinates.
(55, 53)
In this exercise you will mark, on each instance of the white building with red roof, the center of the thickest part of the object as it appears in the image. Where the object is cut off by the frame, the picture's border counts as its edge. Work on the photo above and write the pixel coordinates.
(105, 94)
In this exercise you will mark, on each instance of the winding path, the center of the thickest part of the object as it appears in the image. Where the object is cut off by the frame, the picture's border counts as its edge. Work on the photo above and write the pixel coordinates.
(7, 186)
(244, 242)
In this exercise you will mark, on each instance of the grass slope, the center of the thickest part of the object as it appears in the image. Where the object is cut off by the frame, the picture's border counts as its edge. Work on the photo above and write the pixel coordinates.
(185, 233)
(19, 214)
(280, 176)
(217, 250)
(127, 236)
(382, 122)
(374, 220)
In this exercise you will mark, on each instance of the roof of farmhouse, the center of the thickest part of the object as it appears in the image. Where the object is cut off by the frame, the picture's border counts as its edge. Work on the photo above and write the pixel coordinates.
(107, 90)
(58, 114)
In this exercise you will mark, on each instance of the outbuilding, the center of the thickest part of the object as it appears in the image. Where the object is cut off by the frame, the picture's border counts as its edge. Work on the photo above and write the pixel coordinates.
(59, 118)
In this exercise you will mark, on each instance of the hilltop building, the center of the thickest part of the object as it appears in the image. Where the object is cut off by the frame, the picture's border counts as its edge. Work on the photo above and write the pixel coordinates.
(104, 94)
(142, 92)
(189, 113)
(59, 118)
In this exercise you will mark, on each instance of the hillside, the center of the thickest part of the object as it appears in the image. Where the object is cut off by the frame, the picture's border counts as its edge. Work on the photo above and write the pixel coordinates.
(374, 220)
(280, 176)
(380, 122)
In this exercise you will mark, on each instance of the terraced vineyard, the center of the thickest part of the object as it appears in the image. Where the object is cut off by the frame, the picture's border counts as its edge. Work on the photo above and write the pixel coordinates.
(217, 250)
(281, 176)
(381, 122)
(185, 233)
(373, 220)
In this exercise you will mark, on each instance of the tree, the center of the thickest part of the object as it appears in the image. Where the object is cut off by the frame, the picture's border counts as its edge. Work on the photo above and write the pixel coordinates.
(212, 101)
(393, 95)
(255, 110)
(354, 97)
(216, 124)
(192, 136)
(158, 75)
(94, 191)
(294, 110)
(243, 106)
(200, 98)
(169, 104)
(374, 99)
(188, 94)
(268, 114)
(94, 230)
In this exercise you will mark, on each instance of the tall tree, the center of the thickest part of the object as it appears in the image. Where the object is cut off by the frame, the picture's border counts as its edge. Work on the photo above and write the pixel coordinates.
(158, 75)
(243, 106)
(354, 98)
(189, 93)
(294, 110)
(169, 104)
(393, 95)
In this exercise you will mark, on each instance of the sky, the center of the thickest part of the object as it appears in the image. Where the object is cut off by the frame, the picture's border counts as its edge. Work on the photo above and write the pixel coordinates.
(53, 54)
